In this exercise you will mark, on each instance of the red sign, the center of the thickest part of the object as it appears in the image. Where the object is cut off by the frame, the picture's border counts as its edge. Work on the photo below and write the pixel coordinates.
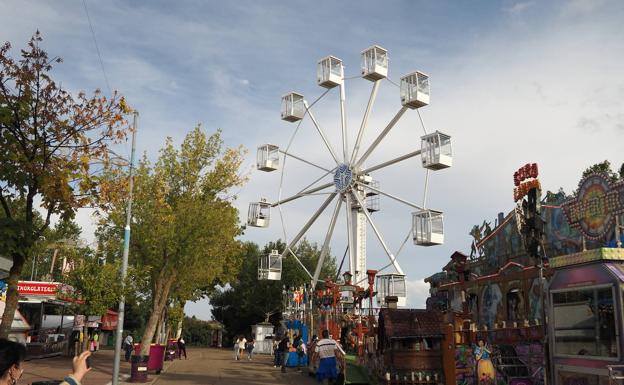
(525, 179)
(37, 288)
(109, 320)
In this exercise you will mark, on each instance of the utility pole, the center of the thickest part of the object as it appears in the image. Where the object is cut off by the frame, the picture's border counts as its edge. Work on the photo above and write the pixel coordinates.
(124, 260)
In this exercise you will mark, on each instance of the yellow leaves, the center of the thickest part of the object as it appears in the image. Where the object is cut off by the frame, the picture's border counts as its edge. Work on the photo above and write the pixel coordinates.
(124, 106)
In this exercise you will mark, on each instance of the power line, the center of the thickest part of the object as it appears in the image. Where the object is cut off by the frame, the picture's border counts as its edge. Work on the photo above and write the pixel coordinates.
(97, 48)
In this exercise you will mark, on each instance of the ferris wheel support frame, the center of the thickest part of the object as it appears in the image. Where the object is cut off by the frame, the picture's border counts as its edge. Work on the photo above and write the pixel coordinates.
(378, 234)
(353, 191)
(369, 107)
(325, 248)
(305, 228)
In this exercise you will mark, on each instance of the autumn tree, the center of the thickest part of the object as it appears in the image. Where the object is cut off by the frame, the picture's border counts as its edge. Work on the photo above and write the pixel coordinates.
(95, 285)
(184, 225)
(53, 147)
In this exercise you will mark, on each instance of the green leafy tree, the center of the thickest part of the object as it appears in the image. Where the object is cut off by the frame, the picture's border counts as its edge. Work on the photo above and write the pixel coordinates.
(250, 300)
(604, 168)
(184, 224)
(53, 147)
(95, 287)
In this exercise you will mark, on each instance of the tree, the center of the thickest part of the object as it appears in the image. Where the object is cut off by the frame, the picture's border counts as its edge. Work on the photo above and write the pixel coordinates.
(184, 224)
(53, 147)
(604, 168)
(95, 286)
(249, 300)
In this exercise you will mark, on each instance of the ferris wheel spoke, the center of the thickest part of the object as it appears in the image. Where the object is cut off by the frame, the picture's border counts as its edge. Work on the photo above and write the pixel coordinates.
(303, 160)
(375, 189)
(381, 136)
(317, 180)
(378, 234)
(321, 132)
(325, 249)
(302, 194)
(360, 134)
(391, 162)
(306, 227)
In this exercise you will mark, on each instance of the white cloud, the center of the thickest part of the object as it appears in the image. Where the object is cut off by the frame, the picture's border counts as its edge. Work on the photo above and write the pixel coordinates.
(417, 293)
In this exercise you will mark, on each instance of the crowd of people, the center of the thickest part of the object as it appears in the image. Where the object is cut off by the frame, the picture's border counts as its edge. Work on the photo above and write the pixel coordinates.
(325, 356)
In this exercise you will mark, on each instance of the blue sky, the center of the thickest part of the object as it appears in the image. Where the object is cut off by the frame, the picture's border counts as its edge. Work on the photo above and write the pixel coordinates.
(512, 82)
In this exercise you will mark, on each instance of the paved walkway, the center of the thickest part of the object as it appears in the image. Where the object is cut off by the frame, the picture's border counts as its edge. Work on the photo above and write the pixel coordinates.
(56, 368)
(218, 367)
(203, 367)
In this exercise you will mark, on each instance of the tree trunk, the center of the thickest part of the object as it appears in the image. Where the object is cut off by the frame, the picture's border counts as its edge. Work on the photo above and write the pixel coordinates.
(160, 296)
(85, 333)
(11, 297)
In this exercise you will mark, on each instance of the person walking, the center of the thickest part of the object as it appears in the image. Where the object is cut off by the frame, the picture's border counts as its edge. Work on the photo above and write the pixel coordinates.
(181, 347)
(284, 347)
(327, 351)
(242, 342)
(236, 343)
(96, 340)
(276, 353)
(300, 349)
(128, 345)
(250, 347)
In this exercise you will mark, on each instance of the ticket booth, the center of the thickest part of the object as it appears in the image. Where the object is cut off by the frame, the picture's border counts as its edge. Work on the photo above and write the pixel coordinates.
(586, 332)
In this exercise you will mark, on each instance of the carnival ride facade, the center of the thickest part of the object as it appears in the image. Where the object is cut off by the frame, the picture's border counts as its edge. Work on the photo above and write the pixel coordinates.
(563, 329)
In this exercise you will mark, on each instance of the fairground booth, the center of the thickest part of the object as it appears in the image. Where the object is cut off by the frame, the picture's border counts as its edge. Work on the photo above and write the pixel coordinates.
(44, 323)
(556, 319)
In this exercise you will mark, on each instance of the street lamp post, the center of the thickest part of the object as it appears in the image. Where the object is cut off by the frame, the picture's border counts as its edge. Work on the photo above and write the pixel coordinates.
(124, 260)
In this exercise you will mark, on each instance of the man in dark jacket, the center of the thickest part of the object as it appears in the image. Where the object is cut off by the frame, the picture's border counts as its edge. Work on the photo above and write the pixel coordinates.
(283, 348)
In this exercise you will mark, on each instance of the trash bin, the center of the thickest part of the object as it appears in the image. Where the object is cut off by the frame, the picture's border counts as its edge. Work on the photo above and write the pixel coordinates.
(138, 368)
(156, 356)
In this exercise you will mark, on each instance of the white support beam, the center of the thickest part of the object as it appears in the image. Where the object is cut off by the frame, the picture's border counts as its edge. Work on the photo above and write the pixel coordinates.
(303, 160)
(391, 162)
(350, 233)
(325, 249)
(321, 133)
(378, 234)
(305, 228)
(301, 194)
(381, 136)
(369, 107)
(414, 205)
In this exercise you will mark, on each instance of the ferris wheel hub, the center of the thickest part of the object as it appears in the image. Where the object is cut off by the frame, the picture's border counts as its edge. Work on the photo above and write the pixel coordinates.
(343, 178)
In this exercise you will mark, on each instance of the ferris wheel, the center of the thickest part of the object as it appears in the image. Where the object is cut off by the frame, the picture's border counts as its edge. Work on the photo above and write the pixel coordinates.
(348, 182)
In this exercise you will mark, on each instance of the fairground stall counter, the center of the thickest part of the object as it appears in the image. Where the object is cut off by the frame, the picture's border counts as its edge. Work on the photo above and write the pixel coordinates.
(586, 316)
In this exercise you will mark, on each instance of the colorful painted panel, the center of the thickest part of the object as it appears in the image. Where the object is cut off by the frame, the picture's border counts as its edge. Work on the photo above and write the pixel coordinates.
(579, 276)
(593, 209)
(491, 300)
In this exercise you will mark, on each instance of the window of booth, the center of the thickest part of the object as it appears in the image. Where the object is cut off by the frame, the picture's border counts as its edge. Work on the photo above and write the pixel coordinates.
(584, 322)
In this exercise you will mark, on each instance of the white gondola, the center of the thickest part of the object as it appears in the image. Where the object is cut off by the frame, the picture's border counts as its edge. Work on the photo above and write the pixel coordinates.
(330, 72)
(415, 90)
(436, 151)
(270, 266)
(267, 158)
(391, 285)
(259, 214)
(374, 63)
(293, 108)
(428, 227)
